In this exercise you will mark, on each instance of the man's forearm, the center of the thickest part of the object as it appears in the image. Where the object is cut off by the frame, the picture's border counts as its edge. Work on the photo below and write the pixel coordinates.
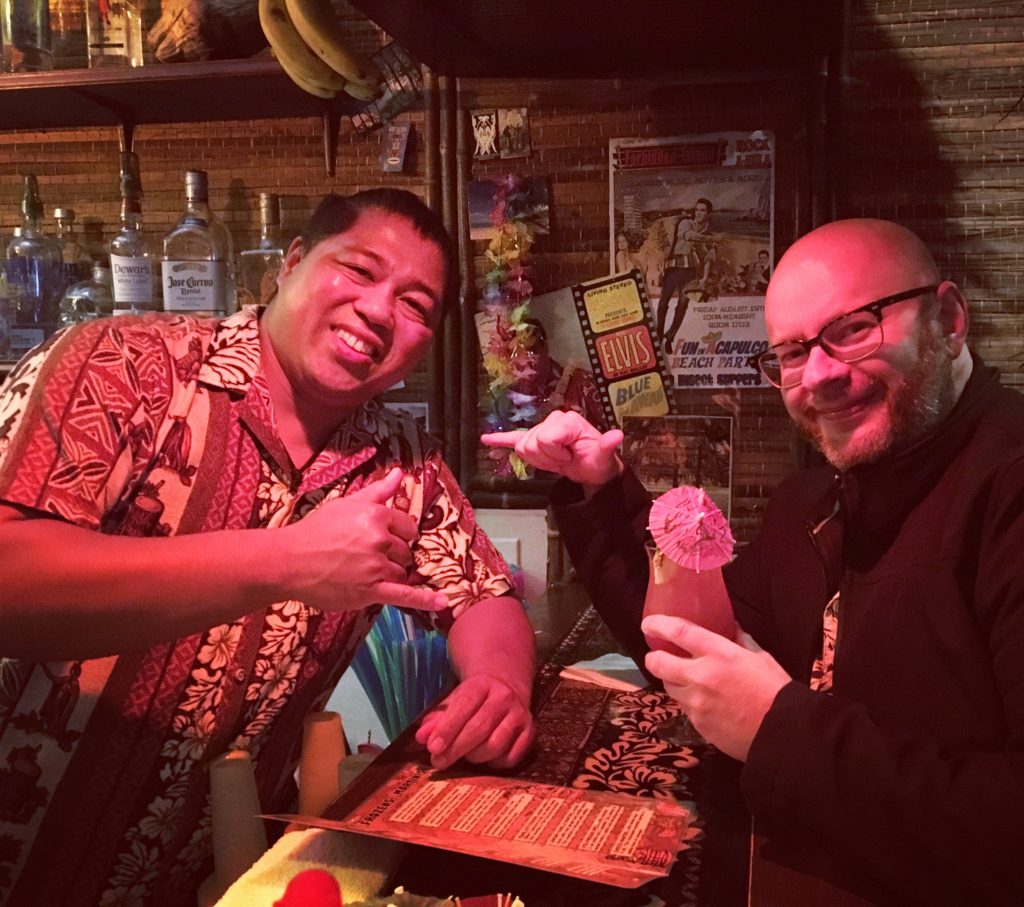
(71, 593)
(495, 637)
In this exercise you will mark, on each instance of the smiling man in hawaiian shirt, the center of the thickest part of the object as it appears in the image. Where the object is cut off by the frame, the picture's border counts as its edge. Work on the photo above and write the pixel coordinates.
(198, 520)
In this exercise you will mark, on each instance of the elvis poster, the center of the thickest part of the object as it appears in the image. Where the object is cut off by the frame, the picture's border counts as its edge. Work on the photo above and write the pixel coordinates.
(695, 215)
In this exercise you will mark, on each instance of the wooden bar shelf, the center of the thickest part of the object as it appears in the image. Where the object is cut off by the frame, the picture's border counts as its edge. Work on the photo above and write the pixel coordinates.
(157, 93)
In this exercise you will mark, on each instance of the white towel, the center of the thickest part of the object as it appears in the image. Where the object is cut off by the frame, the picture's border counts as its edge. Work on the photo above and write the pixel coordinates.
(361, 864)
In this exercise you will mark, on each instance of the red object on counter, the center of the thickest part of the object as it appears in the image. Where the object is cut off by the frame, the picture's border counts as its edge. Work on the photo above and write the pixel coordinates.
(311, 888)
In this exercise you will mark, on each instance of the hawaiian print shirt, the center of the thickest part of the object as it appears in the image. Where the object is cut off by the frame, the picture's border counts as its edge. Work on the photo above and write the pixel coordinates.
(163, 425)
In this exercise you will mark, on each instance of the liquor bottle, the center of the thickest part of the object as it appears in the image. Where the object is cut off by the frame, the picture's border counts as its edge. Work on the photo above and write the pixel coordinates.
(88, 299)
(77, 264)
(25, 35)
(259, 266)
(34, 275)
(93, 243)
(67, 34)
(130, 263)
(7, 312)
(114, 31)
(195, 270)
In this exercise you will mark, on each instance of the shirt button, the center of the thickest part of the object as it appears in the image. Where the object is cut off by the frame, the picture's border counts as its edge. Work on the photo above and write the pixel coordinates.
(239, 675)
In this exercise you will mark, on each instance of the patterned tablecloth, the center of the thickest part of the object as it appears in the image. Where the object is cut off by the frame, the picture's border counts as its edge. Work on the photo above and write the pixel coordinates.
(591, 737)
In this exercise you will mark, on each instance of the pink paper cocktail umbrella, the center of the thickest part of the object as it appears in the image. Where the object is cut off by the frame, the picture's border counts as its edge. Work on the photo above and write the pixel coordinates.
(690, 529)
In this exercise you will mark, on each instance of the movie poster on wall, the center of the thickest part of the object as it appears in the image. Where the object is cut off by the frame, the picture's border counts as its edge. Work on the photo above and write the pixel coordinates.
(606, 325)
(695, 214)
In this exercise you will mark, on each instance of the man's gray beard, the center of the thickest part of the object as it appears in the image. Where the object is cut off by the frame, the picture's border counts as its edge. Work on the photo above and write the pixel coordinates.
(924, 399)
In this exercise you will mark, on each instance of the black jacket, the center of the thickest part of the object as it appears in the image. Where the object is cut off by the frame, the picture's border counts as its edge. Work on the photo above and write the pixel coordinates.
(906, 783)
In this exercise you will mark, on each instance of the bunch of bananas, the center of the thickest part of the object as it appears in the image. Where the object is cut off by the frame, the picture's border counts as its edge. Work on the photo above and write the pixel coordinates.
(309, 43)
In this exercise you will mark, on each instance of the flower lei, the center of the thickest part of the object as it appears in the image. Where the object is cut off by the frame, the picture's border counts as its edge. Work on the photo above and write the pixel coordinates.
(506, 297)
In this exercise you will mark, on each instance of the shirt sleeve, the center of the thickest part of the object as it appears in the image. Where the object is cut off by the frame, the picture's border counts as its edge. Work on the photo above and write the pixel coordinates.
(72, 420)
(453, 553)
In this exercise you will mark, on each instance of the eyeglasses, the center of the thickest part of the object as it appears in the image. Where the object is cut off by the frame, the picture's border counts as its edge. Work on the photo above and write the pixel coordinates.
(855, 335)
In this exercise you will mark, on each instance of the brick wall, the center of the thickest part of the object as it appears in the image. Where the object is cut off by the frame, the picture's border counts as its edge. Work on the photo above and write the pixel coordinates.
(929, 139)
(935, 139)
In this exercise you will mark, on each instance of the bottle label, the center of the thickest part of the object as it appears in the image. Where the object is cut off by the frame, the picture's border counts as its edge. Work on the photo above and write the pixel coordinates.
(133, 281)
(194, 286)
(24, 339)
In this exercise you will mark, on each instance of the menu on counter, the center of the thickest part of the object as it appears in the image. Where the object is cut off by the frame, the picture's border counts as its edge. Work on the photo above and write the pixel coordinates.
(531, 817)
(616, 839)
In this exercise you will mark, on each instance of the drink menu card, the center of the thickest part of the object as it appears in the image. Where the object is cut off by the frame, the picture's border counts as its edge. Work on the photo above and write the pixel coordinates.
(617, 839)
(613, 838)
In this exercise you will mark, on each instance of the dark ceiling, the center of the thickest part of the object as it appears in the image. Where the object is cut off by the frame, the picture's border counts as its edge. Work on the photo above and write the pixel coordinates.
(604, 38)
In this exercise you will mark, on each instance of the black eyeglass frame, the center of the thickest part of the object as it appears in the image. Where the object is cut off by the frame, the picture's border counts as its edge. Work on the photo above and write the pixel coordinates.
(875, 308)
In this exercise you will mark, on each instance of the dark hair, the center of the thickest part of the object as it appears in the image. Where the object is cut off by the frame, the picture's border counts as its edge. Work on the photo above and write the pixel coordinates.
(706, 202)
(338, 213)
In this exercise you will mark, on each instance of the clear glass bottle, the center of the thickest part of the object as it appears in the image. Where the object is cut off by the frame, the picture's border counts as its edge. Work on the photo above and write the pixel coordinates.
(77, 263)
(7, 313)
(67, 34)
(114, 32)
(259, 266)
(93, 242)
(35, 275)
(130, 263)
(195, 270)
(25, 35)
(88, 299)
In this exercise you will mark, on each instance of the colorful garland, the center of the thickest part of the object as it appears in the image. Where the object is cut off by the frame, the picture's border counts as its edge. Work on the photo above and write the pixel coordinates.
(514, 394)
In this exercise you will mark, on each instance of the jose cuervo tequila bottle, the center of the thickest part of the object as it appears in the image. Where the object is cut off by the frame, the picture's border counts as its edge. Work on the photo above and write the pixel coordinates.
(195, 267)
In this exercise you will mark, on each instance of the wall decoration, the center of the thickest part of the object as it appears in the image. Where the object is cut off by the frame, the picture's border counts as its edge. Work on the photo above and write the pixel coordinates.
(513, 352)
(695, 214)
(530, 206)
(606, 327)
(671, 451)
(485, 134)
(396, 142)
(514, 132)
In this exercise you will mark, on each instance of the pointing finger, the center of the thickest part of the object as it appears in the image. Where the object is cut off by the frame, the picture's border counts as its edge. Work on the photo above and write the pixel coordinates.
(501, 438)
(610, 439)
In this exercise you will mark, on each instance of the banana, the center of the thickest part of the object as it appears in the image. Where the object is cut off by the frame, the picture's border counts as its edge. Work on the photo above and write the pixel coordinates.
(303, 66)
(319, 90)
(317, 23)
(362, 91)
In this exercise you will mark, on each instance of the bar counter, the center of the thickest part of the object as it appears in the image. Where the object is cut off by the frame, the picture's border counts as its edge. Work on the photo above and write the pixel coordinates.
(587, 737)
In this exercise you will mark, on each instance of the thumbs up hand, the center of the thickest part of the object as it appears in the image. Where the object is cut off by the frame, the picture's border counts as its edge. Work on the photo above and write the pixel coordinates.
(356, 551)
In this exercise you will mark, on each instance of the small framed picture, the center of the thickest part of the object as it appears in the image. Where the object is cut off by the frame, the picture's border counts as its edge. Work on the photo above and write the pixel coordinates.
(513, 132)
(485, 134)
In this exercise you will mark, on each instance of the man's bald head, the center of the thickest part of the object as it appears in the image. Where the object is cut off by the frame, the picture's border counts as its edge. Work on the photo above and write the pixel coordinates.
(842, 265)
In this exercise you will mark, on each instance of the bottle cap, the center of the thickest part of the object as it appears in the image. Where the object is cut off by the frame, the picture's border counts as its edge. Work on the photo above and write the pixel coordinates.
(64, 213)
(31, 204)
(196, 185)
(131, 182)
(101, 275)
(270, 208)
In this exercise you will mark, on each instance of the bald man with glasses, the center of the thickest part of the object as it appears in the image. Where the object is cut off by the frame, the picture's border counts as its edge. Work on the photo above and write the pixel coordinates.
(875, 688)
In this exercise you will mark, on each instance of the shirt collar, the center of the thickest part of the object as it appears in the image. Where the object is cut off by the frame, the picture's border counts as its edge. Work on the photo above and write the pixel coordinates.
(233, 364)
(234, 353)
